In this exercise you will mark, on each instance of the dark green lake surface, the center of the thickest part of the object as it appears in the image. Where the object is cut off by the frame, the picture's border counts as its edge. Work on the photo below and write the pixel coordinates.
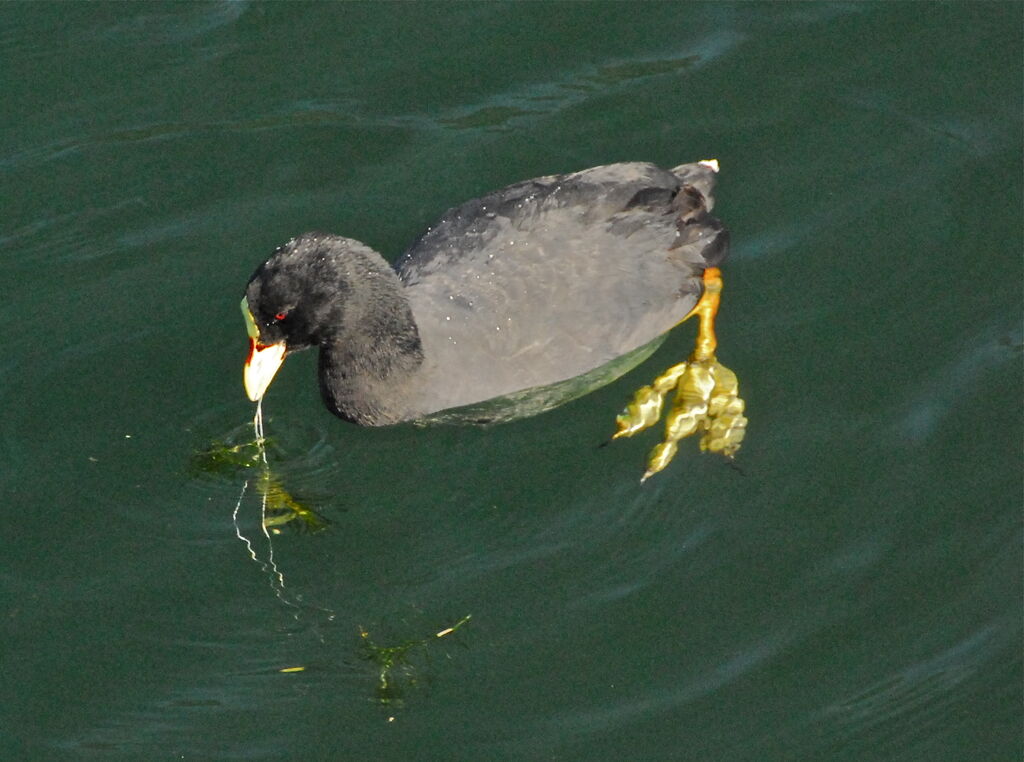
(853, 592)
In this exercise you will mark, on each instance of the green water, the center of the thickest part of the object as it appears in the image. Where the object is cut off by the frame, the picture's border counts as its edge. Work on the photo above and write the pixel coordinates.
(851, 592)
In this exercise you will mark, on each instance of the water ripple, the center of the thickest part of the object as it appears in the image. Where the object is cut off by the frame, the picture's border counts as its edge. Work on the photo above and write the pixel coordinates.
(507, 109)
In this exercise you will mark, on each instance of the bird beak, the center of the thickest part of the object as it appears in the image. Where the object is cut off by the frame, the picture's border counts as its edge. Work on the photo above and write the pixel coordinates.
(263, 360)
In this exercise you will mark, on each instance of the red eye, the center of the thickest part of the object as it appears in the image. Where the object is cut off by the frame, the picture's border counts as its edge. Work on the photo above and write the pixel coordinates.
(280, 316)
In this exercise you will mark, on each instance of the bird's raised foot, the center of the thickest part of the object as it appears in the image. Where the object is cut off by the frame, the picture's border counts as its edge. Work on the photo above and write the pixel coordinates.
(706, 402)
(644, 409)
(706, 399)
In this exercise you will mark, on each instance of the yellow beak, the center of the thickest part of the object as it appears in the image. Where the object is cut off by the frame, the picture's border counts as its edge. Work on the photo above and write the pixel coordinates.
(263, 360)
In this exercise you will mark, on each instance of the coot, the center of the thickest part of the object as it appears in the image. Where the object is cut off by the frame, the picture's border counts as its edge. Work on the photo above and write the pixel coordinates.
(511, 304)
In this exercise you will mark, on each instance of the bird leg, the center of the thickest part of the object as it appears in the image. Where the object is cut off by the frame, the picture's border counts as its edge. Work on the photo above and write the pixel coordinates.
(706, 398)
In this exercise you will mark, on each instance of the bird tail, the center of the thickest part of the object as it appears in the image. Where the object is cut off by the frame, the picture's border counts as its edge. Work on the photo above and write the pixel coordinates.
(701, 175)
(695, 224)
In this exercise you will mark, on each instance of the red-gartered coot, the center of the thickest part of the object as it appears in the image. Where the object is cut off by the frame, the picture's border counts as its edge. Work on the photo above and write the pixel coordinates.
(511, 304)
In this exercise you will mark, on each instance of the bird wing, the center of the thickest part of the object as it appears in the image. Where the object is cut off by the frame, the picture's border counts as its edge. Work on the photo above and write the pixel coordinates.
(550, 278)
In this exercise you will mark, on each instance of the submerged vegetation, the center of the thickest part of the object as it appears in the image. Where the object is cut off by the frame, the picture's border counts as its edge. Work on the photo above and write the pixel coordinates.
(281, 508)
(397, 667)
(395, 673)
(222, 457)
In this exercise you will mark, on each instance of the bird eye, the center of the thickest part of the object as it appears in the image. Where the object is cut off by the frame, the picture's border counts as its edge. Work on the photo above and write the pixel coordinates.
(280, 316)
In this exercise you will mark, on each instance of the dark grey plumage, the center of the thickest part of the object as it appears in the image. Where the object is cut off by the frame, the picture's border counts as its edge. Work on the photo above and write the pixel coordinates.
(527, 287)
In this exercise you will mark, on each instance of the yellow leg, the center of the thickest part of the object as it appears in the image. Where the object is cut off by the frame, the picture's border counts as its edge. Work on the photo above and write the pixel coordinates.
(707, 309)
(706, 399)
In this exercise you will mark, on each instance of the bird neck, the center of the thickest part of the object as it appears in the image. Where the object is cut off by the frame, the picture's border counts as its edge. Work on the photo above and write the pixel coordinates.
(366, 364)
